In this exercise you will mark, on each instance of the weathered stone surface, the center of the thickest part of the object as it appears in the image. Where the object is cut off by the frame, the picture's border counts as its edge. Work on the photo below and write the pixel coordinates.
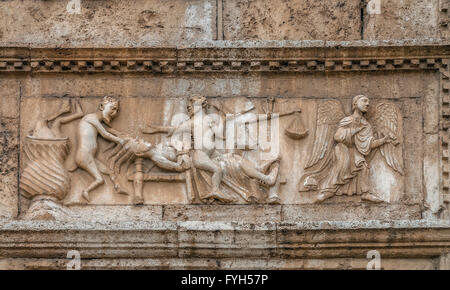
(99, 212)
(9, 154)
(43, 95)
(9, 102)
(92, 104)
(224, 245)
(349, 212)
(296, 20)
(408, 19)
(247, 213)
(115, 23)
(9, 145)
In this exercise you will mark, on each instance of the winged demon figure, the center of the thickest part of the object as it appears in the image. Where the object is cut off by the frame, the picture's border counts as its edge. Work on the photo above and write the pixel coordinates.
(343, 147)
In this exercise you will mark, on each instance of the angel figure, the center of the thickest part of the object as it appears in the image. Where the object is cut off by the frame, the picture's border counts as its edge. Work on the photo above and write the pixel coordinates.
(343, 147)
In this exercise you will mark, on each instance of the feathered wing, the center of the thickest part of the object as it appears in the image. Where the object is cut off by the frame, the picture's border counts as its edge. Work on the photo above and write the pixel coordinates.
(329, 114)
(388, 122)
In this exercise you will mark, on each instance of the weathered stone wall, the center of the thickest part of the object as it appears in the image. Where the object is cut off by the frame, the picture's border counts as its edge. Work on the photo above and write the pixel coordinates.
(142, 23)
(9, 146)
(152, 55)
(117, 23)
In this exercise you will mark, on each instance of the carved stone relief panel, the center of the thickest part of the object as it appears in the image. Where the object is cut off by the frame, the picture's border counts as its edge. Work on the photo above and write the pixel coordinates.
(354, 139)
(131, 151)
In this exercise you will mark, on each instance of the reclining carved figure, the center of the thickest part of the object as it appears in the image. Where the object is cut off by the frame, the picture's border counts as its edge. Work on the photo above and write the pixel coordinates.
(228, 168)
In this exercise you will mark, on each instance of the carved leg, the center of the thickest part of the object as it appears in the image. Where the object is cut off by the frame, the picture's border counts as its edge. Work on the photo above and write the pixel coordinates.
(266, 180)
(323, 196)
(265, 166)
(138, 182)
(92, 169)
(202, 161)
(163, 162)
(273, 197)
(371, 197)
(189, 187)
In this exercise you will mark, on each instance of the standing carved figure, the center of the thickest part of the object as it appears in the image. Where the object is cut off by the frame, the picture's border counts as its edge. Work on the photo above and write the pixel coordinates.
(45, 180)
(343, 146)
(88, 129)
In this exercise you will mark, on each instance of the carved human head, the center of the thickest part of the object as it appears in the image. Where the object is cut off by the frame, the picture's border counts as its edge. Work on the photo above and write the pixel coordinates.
(361, 103)
(196, 103)
(109, 108)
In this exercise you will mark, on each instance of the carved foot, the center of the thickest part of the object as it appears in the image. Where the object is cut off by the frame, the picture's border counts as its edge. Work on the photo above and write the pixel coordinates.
(213, 196)
(371, 198)
(274, 199)
(118, 189)
(85, 195)
(323, 196)
(138, 200)
(253, 200)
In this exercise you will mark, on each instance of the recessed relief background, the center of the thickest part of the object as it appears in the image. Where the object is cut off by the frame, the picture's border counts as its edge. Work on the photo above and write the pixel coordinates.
(120, 151)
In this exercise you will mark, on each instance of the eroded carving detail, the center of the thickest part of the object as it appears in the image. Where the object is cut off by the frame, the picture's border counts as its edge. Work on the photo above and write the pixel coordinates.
(343, 147)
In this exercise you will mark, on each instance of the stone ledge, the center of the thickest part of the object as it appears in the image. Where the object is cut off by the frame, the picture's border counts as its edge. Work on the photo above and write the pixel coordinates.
(249, 213)
(359, 263)
(335, 56)
(179, 244)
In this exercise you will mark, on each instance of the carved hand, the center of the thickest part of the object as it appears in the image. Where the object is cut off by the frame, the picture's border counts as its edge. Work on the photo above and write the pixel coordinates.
(184, 161)
(390, 140)
(122, 141)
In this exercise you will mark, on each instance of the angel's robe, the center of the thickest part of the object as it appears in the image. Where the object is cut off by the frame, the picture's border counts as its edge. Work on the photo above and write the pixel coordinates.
(347, 172)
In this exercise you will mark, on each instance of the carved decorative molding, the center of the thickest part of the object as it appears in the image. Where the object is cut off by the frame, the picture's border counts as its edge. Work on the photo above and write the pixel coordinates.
(444, 17)
(445, 125)
(219, 60)
(220, 245)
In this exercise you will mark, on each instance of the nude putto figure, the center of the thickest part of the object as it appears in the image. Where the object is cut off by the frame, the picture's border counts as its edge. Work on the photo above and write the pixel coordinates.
(89, 128)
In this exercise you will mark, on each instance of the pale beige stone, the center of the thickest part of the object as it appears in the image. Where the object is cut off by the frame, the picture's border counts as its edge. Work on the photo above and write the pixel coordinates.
(107, 23)
(87, 104)
(9, 102)
(9, 167)
(286, 20)
(178, 192)
(406, 19)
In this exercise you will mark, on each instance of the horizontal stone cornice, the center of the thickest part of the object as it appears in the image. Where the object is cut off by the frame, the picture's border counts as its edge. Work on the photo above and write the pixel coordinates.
(192, 239)
(234, 59)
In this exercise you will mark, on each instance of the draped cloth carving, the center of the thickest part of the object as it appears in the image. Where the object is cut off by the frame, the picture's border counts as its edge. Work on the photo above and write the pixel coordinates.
(343, 147)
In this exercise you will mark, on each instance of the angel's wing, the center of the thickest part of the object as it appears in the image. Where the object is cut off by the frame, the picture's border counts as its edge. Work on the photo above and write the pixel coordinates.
(329, 114)
(388, 122)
